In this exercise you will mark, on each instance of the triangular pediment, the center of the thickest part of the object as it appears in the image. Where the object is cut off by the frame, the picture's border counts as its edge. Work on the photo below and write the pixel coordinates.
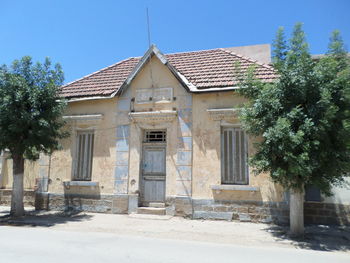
(153, 51)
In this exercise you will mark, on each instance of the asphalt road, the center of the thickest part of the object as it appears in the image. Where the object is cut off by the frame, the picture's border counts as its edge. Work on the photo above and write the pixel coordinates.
(25, 244)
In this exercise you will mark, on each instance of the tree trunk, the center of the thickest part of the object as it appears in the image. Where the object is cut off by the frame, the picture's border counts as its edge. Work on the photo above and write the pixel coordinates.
(17, 207)
(296, 207)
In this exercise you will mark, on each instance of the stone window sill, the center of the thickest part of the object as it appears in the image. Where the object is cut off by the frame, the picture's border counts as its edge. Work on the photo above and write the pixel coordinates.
(226, 187)
(80, 183)
(152, 101)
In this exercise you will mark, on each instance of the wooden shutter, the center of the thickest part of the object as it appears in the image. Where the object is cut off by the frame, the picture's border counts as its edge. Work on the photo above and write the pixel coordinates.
(234, 156)
(85, 145)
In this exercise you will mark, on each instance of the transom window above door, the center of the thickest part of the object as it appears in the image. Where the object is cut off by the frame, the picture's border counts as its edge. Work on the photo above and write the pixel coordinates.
(152, 136)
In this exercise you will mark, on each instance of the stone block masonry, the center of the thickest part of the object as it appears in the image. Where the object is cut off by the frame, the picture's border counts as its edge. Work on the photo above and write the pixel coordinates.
(244, 211)
(326, 213)
(121, 168)
(259, 212)
(28, 198)
(43, 177)
(184, 149)
(122, 159)
(116, 204)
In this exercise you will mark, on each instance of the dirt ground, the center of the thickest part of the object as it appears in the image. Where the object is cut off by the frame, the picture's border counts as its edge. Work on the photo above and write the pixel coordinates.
(317, 237)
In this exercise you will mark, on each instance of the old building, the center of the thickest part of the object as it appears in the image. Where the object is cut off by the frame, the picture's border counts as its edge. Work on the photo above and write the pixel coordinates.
(160, 134)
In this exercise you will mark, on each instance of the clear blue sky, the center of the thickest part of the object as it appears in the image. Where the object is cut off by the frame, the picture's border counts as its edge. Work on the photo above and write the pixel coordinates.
(87, 35)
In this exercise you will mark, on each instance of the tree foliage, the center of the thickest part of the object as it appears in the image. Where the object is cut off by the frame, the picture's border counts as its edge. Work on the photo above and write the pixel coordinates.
(30, 107)
(302, 118)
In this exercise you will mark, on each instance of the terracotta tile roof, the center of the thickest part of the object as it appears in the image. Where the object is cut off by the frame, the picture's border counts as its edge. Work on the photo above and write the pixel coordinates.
(204, 69)
(100, 83)
(215, 68)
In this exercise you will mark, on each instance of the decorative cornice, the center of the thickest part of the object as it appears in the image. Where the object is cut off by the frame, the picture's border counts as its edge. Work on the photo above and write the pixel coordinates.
(223, 114)
(153, 116)
(84, 119)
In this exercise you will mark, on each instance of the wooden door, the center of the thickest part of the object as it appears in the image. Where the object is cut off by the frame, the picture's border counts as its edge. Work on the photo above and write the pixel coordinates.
(153, 175)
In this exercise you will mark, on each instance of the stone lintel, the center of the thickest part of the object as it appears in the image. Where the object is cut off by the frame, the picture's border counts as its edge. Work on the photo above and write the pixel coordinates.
(153, 116)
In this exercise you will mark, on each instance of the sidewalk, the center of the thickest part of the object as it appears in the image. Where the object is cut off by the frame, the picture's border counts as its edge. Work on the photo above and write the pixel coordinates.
(325, 238)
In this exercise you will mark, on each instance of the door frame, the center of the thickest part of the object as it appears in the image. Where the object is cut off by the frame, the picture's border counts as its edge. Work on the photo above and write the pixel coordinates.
(146, 145)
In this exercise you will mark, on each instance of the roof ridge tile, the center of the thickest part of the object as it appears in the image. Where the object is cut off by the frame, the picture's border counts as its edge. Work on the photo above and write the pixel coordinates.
(194, 51)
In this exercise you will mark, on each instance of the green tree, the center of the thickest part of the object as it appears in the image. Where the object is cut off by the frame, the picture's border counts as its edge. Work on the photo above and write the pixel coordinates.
(302, 119)
(30, 116)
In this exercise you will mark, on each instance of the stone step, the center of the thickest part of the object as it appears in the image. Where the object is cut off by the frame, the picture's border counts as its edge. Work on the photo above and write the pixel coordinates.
(151, 210)
(157, 204)
(152, 217)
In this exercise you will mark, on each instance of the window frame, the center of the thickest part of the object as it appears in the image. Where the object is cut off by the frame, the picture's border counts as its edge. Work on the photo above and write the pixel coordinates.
(76, 174)
(233, 178)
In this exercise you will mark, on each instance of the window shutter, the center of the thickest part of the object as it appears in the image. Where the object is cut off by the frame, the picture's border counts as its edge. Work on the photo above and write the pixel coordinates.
(234, 156)
(85, 145)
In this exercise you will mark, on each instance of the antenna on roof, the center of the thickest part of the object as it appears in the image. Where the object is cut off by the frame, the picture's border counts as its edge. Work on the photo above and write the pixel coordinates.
(148, 30)
(149, 46)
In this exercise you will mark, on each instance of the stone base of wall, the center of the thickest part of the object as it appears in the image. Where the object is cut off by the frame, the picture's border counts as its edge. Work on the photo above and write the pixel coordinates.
(326, 213)
(244, 211)
(117, 204)
(28, 199)
(259, 212)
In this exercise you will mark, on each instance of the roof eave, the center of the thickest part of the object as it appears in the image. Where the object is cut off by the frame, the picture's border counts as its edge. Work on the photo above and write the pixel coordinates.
(75, 99)
(215, 89)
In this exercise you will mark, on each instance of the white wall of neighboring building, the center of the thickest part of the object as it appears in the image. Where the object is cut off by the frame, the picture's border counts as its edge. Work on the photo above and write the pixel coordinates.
(341, 194)
(261, 53)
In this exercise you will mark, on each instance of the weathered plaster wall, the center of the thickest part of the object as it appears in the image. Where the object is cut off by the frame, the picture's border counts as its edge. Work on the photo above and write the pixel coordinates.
(207, 151)
(6, 179)
(104, 155)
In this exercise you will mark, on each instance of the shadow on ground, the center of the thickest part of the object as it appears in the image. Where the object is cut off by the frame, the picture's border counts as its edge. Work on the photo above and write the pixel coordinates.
(317, 237)
(39, 218)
